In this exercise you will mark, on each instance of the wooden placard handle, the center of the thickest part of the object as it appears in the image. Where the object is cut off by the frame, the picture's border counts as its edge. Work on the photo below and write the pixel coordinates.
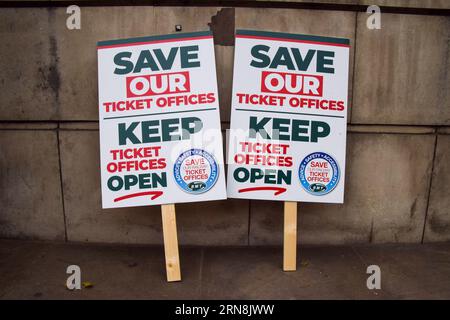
(290, 236)
(170, 242)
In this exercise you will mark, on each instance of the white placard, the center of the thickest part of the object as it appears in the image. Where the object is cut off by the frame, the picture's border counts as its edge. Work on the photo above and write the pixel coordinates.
(160, 138)
(289, 117)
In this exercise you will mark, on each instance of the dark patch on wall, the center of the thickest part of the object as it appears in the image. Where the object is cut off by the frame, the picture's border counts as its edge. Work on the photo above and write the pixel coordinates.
(51, 73)
(413, 209)
(222, 27)
(437, 225)
(53, 78)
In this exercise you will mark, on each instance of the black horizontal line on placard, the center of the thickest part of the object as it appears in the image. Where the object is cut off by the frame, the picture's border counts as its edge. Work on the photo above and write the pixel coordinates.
(294, 113)
(158, 114)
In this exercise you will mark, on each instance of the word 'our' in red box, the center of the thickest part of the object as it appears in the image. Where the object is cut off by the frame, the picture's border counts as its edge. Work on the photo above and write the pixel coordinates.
(156, 84)
(291, 83)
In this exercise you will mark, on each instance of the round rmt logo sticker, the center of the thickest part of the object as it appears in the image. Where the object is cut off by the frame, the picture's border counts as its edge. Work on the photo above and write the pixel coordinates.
(319, 173)
(196, 171)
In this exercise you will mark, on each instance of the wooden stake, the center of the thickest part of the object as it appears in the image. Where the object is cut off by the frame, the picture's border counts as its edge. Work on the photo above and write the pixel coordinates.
(170, 242)
(290, 236)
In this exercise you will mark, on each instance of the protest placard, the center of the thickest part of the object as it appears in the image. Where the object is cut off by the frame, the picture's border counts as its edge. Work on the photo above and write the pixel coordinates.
(289, 120)
(160, 137)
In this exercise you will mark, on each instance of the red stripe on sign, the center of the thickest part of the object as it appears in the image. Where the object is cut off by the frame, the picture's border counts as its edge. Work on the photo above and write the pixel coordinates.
(278, 190)
(154, 194)
(152, 42)
(294, 40)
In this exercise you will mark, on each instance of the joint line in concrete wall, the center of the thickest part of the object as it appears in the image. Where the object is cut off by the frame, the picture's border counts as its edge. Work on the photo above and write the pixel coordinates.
(61, 184)
(92, 125)
(429, 187)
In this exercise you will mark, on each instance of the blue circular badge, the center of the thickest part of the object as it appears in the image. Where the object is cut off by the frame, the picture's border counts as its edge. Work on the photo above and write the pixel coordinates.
(195, 171)
(319, 173)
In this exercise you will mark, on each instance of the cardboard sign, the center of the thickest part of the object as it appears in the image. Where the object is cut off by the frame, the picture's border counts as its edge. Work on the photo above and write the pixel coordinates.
(160, 132)
(289, 117)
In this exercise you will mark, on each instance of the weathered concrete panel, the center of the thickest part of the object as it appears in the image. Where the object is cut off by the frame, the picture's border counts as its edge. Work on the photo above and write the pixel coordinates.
(401, 71)
(207, 223)
(385, 198)
(30, 186)
(358, 128)
(191, 19)
(77, 52)
(29, 80)
(437, 226)
(316, 22)
(28, 125)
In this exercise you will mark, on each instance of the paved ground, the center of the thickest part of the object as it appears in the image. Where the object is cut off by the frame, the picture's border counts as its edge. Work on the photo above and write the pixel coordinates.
(36, 270)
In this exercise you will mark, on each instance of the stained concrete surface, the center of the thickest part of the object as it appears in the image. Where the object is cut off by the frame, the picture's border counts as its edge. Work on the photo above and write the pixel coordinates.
(37, 270)
(30, 188)
(57, 77)
(77, 52)
(401, 71)
(29, 79)
(438, 218)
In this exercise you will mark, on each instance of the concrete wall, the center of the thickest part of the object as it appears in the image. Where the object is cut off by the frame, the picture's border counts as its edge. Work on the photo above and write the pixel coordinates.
(398, 139)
